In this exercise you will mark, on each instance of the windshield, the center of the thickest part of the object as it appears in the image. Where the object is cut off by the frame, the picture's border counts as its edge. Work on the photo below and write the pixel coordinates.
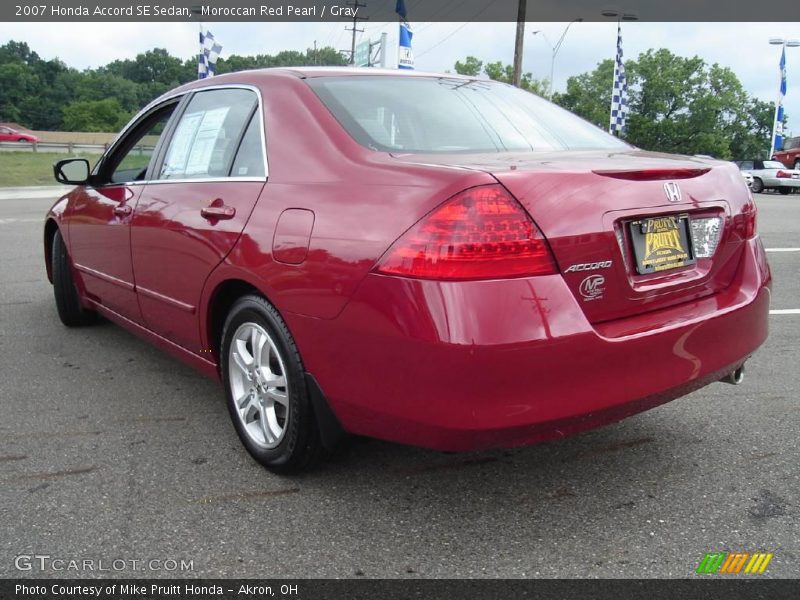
(438, 114)
(773, 164)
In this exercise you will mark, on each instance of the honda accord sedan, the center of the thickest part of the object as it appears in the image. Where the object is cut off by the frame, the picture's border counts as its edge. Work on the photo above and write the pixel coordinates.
(428, 259)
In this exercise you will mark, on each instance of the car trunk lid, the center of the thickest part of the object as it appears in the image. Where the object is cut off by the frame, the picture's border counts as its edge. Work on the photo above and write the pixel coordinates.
(592, 208)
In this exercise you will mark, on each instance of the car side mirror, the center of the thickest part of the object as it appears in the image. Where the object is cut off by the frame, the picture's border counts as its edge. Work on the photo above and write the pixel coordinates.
(72, 171)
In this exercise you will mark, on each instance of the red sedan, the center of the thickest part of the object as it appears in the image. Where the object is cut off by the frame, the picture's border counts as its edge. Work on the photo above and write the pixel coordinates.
(428, 259)
(12, 135)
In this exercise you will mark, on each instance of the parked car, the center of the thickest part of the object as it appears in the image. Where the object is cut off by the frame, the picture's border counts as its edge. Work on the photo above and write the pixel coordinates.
(770, 175)
(479, 270)
(789, 156)
(12, 135)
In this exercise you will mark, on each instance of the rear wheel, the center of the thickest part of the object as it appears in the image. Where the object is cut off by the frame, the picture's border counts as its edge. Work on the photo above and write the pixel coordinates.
(68, 304)
(758, 185)
(22, 141)
(265, 388)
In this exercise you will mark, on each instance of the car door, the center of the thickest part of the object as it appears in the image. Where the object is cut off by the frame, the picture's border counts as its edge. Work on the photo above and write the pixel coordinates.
(191, 214)
(5, 134)
(99, 214)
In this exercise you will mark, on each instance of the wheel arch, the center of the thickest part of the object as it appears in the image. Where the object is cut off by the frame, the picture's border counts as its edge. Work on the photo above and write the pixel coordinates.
(50, 228)
(220, 301)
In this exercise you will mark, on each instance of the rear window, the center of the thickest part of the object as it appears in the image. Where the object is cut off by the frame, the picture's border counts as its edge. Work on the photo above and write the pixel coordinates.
(428, 114)
(773, 164)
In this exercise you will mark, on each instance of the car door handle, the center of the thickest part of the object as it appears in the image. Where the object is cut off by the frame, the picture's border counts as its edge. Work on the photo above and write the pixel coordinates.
(218, 211)
(122, 210)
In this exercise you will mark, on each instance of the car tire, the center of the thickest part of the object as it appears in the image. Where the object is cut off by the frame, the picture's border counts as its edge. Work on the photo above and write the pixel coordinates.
(758, 186)
(267, 396)
(785, 191)
(68, 303)
(22, 141)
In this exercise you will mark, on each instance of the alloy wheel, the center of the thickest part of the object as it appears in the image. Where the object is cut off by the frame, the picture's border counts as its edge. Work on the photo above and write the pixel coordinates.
(259, 385)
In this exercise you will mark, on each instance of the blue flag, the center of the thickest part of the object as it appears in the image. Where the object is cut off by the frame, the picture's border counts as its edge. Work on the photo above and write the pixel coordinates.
(619, 92)
(405, 57)
(207, 58)
(777, 145)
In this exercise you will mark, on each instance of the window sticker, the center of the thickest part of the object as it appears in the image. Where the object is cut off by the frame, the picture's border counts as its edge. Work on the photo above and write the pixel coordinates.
(194, 143)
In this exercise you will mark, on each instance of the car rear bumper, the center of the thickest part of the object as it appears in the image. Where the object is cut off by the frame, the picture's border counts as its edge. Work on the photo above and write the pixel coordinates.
(473, 365)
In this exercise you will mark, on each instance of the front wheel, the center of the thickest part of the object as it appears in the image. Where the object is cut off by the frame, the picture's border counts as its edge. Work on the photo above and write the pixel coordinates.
(758, 186)
(266, 389)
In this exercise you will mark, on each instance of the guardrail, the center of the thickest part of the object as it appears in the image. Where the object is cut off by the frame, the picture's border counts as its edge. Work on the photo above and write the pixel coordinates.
(59, 148)
(64, 148)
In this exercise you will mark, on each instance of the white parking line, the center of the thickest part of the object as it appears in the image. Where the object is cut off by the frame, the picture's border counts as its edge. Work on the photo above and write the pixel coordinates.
(783, 249)
(10, 221)
(785, 311)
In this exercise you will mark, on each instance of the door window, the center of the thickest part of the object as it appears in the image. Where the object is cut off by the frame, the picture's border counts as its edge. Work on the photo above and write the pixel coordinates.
(207, 136)
(131, 160)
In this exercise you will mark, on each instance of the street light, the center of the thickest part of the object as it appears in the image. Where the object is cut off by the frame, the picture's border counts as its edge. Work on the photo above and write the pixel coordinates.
(784, 43)
(555, 50)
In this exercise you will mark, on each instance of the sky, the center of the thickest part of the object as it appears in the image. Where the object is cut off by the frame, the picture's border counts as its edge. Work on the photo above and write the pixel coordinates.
(743, 47)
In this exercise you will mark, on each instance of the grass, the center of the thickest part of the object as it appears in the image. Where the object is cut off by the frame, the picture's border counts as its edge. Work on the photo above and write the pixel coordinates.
(32, 168)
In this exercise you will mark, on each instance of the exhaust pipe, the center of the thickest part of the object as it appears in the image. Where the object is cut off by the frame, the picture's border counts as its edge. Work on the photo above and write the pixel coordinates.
(734, 378)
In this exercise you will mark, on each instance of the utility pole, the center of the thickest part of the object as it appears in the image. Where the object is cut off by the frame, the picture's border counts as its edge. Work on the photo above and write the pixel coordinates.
(356, 5)
(517, 77)
(315, 51)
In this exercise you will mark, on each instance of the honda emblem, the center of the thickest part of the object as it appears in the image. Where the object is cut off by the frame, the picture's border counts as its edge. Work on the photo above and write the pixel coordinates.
(673, 191)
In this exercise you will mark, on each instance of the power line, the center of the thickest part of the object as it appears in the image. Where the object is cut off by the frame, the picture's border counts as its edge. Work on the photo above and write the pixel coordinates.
(443, 9)
(356, 5)
(444, 39)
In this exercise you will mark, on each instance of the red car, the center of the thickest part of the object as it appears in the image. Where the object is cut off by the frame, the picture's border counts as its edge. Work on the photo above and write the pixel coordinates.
(12, 135)
(428, 259)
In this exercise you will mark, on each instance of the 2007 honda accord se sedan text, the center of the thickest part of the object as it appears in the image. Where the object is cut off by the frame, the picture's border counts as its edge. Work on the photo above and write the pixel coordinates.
(428, 259)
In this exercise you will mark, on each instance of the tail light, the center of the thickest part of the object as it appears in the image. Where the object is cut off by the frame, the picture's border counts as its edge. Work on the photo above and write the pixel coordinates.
(784, 175)
(480, 233)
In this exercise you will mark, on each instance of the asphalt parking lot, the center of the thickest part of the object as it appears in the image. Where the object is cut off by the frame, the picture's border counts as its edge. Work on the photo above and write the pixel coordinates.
(110, 450)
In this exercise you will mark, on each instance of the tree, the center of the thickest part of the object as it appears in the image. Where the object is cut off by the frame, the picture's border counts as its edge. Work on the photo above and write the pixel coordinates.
(471, 67)
(49, 95)
(500, 72)
(94, 115)
(677, 104)
(589, 94)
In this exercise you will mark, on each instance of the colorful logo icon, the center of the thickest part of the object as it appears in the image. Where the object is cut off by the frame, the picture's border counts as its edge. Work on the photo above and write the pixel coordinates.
(734, 563)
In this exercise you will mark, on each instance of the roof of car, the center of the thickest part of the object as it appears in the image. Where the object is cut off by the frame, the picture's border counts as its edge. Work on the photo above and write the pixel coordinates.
(356, 71)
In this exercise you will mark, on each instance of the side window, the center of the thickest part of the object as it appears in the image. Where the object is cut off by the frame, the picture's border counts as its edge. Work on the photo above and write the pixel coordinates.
(758, 165)
(130, 161)
(249, 161)
(208, 133)
(746, 165)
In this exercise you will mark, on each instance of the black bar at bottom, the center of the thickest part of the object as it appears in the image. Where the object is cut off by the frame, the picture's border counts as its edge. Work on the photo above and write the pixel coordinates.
(711, 587)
